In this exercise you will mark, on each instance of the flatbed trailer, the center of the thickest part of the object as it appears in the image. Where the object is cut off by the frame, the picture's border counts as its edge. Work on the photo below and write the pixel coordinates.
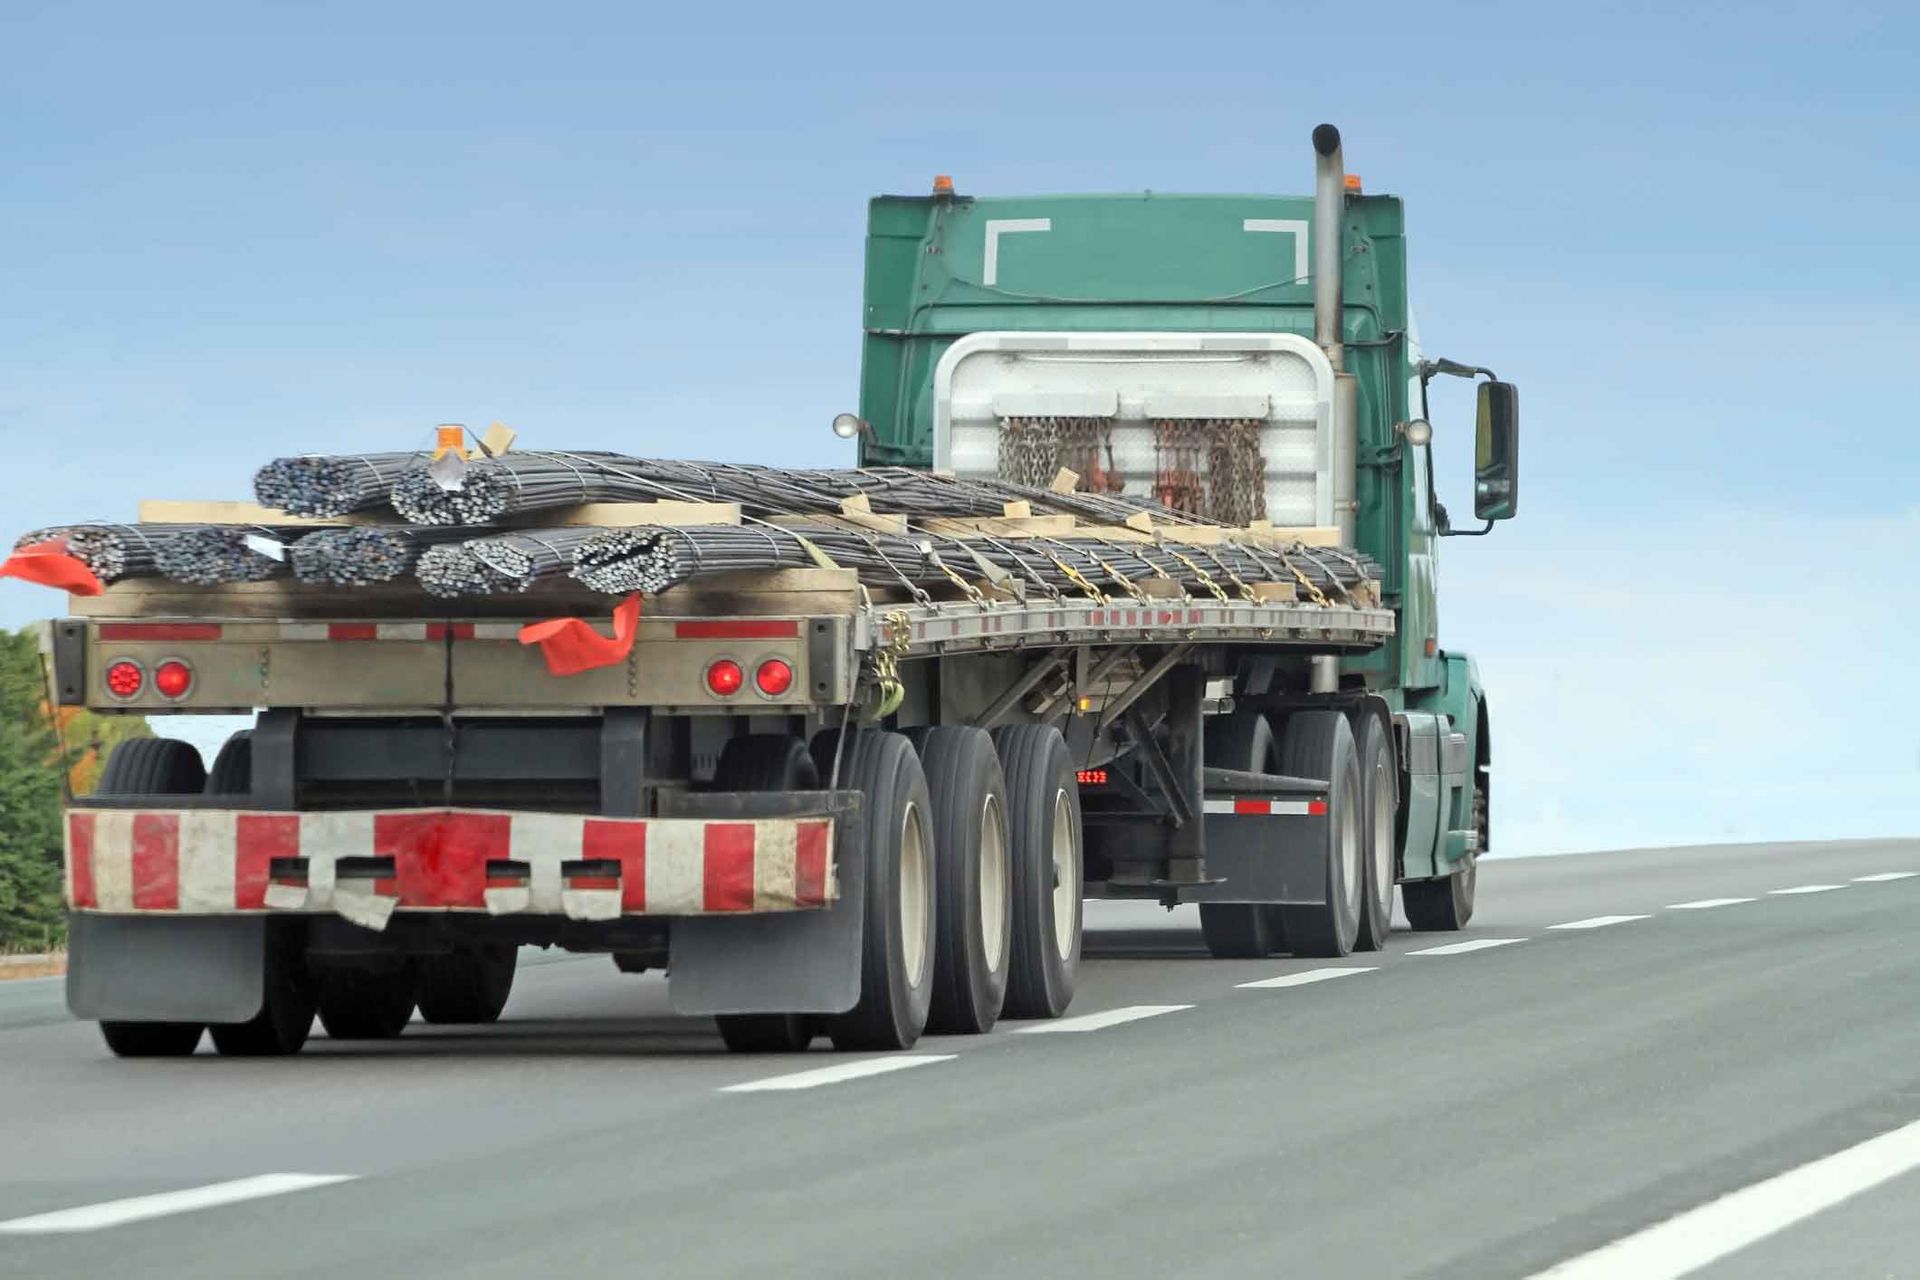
(823, 803)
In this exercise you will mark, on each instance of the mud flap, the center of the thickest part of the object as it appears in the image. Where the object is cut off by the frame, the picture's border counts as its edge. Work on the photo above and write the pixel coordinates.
(165, 968)
(781, 962)
(1258, 858)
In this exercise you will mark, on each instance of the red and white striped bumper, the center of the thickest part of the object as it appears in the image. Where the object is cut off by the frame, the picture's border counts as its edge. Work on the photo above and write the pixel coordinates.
(366, 864)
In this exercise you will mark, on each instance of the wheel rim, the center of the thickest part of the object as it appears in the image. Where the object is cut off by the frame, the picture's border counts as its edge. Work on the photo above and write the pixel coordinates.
(1382, 837)
(1066, 874)
(1349, 850)
(915, 913)
(993, 884)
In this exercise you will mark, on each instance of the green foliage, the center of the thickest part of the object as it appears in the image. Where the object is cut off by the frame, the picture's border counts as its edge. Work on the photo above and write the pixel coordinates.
(30, 769)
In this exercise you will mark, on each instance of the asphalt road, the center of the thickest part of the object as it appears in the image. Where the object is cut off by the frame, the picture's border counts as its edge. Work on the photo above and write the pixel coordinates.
(1480, 1113)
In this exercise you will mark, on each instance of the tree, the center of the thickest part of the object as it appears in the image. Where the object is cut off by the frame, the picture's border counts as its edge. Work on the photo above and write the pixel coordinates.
(30, 769)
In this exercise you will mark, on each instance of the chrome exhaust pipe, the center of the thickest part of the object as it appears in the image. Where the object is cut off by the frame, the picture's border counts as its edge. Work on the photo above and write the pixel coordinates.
(1329, 201)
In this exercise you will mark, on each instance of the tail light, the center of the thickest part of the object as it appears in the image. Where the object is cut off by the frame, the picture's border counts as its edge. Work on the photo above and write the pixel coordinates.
(173, 679)
(725, 677)
(125, 678)
(774, 677)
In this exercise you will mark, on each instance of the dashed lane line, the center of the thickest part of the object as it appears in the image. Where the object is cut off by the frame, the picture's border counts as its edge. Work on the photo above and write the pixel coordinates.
(1706, 903)
(1102, 1020)
(114, 1213)
(1691, 1240)
(1807, 888)
(835, 1074)
(1304, 978)
(1461, 948)
(1884, 876)
(1595, 922)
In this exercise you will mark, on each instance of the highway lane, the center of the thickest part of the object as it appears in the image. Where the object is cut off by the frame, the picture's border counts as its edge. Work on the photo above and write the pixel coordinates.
(1486, 1113)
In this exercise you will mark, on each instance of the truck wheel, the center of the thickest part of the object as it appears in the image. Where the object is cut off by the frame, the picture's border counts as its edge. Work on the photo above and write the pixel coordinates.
(766, 762)
(232, 772)
(467, 985)
(152, 767)
(973, 861)
(897, 943)
(365, 1004)
(1379, 833)
(151, 1039)
(1043, 820)
(1319, 744)
(1241, 930)
(286, 1007)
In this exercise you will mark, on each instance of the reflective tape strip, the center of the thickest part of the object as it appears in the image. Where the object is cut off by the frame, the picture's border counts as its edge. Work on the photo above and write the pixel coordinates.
(1263, 807)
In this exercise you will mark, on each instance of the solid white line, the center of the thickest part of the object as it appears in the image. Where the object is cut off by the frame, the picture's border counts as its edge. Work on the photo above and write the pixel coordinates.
(1110, 1018)
(835, 1074)
(1884, 876)
(1693, 1239)
(1461, 948)
(1302, 979)
(1809, 888)
(1595, 922)
(114, 1213)
(1704, 903)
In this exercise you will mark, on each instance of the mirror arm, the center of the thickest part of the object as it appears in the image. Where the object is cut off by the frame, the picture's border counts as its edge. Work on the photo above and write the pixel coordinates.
(1481, 532)
(1453, 368)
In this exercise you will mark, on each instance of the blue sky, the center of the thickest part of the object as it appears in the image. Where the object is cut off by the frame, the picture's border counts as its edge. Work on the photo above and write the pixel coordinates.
(230, 231)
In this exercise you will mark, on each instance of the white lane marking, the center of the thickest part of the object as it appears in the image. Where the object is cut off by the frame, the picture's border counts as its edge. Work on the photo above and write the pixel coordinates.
(1098, 1021)
(838, 1072)
(113, 1213)
(1808, 888)
(1693, 1239)
(1705, 903)
(1595, 922)
(1303, 979)
(1461, 948)
(1884, 876)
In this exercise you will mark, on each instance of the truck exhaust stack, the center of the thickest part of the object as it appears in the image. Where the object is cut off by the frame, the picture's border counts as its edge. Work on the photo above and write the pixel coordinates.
(1329, 201)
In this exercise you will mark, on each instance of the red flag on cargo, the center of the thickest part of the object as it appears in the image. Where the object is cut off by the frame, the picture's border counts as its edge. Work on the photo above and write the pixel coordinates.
(571, 646)
(51, 565)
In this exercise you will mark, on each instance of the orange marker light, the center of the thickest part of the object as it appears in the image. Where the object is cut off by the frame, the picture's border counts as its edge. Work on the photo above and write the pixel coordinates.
(943, 184)
(1353, 183)
(450, 439)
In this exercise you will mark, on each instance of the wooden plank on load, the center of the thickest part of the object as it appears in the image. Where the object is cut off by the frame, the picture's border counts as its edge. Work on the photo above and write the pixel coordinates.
(171, 511)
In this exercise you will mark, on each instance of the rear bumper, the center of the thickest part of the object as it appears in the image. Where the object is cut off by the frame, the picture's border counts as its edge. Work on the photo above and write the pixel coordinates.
(738, 855)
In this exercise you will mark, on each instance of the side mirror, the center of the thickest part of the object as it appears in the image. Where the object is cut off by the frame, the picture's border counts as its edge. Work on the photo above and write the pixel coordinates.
(1496, 452)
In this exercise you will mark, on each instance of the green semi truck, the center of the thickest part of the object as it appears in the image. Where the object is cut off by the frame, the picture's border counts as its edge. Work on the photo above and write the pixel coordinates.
(823, 802)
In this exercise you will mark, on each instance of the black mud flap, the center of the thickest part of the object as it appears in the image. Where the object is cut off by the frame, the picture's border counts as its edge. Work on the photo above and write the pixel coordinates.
(1261, 858)
(781, 962)
(165, 968)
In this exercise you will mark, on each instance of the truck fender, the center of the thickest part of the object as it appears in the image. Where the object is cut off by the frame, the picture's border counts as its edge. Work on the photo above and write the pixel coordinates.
(165, 968)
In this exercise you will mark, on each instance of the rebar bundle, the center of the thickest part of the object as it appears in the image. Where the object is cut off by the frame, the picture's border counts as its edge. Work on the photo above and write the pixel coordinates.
(325, 485)
(110, 551)
(490, 488)
(503, 564)
(651, 559)
(214, 555)
(363, 555)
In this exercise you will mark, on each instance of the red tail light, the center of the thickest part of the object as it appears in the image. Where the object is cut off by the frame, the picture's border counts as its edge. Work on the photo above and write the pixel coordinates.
(125, 678)
(774, 677)
(725, 677)
(173, 679)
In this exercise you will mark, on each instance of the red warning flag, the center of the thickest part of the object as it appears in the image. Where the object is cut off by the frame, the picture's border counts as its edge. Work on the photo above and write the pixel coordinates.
(51, 565)
(571, 646)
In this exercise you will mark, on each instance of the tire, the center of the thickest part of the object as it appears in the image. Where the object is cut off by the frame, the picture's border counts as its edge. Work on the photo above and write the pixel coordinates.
(973, 859)
(468, 985)
(1043, 821)
(1379, 830)
(151, 1039)
(286, 1012)
(365, 1004)
(152, 767)
(766, 762)
(1241, 930)
(232, 772)
(1446, 905)
(897, 938)
(1319, 744)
